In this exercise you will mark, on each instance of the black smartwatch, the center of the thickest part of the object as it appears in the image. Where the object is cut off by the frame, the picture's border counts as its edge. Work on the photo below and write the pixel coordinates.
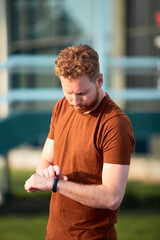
(54, 189)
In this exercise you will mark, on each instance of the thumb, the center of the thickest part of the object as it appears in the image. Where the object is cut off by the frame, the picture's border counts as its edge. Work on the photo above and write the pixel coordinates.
(63, 177)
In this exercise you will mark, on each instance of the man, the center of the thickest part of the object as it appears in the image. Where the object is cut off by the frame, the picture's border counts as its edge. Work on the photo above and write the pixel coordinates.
(86, 157)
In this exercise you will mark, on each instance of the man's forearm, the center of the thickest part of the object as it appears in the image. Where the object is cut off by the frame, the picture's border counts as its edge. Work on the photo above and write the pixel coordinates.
(97, 196)
(108, 195)
(43, 164)
(47, 156)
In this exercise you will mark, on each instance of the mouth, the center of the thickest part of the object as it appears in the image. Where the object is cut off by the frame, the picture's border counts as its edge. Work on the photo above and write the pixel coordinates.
(78, 107)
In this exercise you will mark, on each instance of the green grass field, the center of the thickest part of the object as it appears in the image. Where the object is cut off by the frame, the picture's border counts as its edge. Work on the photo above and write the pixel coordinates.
(25, 215)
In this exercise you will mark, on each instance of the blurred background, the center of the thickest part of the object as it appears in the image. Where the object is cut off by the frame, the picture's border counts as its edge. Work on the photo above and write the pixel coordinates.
(126, 34)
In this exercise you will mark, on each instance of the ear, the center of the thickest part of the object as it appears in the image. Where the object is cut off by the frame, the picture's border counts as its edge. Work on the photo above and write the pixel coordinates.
(99, 80)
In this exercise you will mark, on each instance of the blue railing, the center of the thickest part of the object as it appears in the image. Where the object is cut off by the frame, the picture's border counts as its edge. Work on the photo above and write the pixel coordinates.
(47, 61)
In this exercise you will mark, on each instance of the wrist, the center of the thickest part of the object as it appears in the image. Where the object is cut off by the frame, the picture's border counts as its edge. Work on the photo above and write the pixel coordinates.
(59, 183)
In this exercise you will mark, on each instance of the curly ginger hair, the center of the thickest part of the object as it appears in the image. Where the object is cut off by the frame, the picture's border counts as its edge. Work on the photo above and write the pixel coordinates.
(77, 61)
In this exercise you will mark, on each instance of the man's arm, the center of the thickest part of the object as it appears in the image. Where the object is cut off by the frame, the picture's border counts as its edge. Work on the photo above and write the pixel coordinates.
(47, 156)
(108, 195)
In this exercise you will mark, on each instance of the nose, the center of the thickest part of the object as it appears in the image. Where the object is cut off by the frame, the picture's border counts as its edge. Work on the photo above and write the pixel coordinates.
(76, 100)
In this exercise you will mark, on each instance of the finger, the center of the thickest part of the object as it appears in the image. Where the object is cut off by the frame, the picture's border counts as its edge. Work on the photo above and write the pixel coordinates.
(31, 190)
(51, 171)
(41, 173)
(63, 177)
(29, 183)
(57, 171)
(27, 186)
(45, 173)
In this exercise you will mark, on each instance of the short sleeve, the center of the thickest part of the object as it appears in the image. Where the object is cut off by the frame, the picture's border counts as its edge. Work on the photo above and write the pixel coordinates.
(52, 124)
(54, 118)
(118, 141)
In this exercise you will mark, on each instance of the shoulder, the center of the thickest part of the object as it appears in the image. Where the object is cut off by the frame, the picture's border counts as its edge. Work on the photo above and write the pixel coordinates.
(61, 105)
(59, 108)
(114, 123)
(112, 114)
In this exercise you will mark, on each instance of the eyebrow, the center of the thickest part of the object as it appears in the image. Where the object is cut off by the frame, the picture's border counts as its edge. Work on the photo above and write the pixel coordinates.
(83, 92)
(79, 92)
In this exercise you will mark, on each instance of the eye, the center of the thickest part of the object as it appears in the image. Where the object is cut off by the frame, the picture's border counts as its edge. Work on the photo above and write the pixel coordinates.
(82, 93)
(68, 93)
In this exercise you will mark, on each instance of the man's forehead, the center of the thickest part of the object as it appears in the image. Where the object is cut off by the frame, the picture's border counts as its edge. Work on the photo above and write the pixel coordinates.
(78, 85)
(74, 88)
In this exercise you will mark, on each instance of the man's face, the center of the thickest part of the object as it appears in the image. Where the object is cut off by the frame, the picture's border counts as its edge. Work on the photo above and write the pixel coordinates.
(82, 94)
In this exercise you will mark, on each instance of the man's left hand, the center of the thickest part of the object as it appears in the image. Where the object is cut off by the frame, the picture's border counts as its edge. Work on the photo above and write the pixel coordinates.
(38, 182)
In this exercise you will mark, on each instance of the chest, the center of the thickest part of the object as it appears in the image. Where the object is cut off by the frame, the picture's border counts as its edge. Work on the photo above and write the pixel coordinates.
(75, 144)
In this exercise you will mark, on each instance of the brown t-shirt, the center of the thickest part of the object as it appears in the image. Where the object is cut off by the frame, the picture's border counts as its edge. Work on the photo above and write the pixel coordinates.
(82, 143)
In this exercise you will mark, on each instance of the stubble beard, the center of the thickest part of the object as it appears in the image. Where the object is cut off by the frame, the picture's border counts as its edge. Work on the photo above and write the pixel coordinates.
(90, 107)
